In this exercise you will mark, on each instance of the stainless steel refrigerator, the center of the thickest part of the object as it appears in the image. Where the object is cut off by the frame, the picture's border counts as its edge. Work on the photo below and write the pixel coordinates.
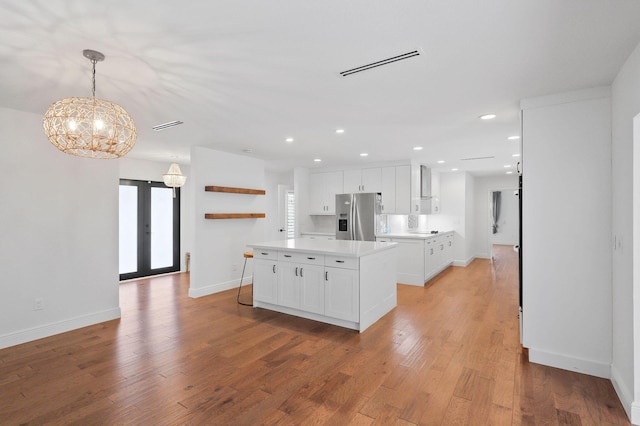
(357, 216)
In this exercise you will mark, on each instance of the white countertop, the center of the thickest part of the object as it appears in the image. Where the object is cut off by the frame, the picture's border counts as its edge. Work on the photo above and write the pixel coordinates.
(326, 247)
(415, 235)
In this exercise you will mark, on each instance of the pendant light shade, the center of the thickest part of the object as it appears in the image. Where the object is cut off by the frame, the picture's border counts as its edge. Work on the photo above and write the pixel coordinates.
(90, 127)
(174, 177)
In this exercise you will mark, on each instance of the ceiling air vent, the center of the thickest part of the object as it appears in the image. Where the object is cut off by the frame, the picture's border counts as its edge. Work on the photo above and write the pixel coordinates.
(163, 126)
(477, 158)
(380, 63)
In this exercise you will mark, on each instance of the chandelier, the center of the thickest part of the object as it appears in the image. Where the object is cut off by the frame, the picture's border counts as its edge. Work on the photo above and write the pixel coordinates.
(174, 178)
(90, 127)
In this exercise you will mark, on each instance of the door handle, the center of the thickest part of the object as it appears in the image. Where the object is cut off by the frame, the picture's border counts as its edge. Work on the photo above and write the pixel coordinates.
(301, 269)
(274, 269)
(326, 275)
(296, 271)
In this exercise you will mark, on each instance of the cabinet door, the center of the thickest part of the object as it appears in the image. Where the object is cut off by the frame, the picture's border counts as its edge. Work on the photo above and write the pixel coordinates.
(388, 189)
(311, 283)
(265, 280)
(371, 180)
(435, 192)
(316, 194)
(341, 294)
(333, 185)
(432, 256)
(288, 288)
(410, 261)
(403, 190)
(352, 181)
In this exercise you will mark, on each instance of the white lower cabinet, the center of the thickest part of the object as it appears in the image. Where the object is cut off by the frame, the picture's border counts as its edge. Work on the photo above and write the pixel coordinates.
(420, 259)
(341, 293)
(265, 279)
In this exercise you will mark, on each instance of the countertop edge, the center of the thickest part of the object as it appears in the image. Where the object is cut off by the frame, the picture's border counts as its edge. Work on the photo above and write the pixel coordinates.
(325, 251)
(412, 235)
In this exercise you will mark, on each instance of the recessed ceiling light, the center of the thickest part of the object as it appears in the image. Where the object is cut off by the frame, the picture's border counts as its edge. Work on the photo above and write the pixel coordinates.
(289, 139)
(317, 160)
(364, 154)
(454, 170)
(516, 155)
(339, 130)
(507, 166)
(440, 161)
(417, 148)
(487, 116)
(513, 138)
(509, 172)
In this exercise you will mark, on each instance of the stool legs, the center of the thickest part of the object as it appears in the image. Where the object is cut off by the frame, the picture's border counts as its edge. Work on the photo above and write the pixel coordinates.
(240, 286)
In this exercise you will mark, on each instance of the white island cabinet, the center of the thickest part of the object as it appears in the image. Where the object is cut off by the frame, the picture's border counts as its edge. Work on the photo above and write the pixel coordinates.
(346, 283)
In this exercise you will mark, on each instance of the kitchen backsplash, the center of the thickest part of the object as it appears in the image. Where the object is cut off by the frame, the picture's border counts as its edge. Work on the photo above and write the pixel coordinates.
(392, 223)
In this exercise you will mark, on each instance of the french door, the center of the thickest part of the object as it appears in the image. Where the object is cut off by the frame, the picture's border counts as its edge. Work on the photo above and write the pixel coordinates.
(149, 229)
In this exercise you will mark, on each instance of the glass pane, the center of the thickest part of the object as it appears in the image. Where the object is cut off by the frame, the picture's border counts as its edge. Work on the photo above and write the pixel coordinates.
(128, 229)
(291, 215)
(161, 227)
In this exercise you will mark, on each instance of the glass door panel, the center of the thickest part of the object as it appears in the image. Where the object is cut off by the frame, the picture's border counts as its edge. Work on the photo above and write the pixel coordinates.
(161, 227)
(128, 229)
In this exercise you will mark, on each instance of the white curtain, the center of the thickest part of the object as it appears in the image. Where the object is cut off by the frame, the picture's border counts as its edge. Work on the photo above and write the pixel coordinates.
(496, 209)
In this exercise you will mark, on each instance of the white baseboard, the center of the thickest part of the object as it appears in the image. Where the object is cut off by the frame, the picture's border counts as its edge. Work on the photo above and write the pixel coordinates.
(635, 413)
(624, 394)
(464, 263)
(564, 362)
(57, 327)
(217, 288)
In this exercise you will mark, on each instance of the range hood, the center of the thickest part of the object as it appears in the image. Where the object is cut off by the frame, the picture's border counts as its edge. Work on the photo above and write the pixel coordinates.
(425, 183)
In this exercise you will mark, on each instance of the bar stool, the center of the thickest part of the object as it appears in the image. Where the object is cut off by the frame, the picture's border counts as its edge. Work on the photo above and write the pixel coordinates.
(247, 255)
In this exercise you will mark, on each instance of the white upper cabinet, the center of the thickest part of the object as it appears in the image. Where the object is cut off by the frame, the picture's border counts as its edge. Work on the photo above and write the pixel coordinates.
(388, 189)
(323, 189)
(403, 190)
(363, 180)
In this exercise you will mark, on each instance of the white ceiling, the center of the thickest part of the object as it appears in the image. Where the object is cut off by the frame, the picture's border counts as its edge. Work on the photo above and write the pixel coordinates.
(248, 74)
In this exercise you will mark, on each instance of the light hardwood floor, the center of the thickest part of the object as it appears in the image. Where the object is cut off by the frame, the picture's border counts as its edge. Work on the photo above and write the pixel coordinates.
(448, 354)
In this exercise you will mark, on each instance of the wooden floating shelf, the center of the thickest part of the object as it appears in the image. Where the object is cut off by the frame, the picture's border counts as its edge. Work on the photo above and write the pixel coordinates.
(234, 215)
(235, 190)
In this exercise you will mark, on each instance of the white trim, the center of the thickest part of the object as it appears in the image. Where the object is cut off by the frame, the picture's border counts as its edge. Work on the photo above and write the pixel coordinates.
(635, 413)
(624, 394)
(217, 288)
(569, 363)
(566, 97)
(58, 327)
(466, 263)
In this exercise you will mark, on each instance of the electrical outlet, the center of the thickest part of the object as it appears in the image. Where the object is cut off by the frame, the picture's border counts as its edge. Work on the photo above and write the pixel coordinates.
(38, 304)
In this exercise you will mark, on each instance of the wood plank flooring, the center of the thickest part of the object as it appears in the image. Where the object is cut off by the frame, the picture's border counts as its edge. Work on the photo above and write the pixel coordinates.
(448, 354)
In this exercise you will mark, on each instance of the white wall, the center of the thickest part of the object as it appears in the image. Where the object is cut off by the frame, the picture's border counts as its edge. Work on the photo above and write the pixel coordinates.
(567, 312)
(482, 218)
(625, 164)
(219, 244)
(131, 168)
(59, 227)
(470, 211)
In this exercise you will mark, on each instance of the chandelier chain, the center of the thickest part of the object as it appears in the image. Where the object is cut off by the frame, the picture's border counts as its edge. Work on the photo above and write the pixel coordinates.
(93, 61)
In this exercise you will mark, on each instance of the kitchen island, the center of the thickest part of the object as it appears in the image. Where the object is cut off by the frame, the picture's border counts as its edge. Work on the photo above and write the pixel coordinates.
(351, 284)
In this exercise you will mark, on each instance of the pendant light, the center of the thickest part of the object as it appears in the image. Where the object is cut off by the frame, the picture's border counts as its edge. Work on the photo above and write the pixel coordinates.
(90, 127)
(174, 178)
